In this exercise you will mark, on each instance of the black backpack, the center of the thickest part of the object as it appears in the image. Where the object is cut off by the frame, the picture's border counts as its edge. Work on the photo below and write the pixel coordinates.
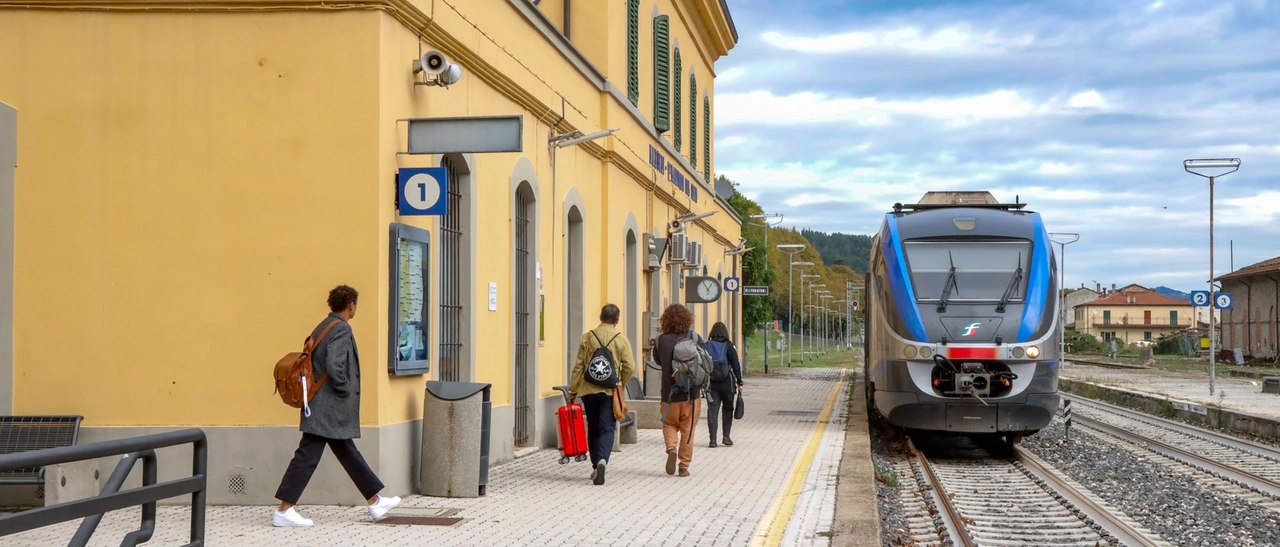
(602, 370)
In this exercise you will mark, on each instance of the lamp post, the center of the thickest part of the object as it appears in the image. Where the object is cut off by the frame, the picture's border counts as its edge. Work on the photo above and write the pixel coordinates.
(1219, 167)
(812, 298)
(1062, 239)
(826, 319)
(791, 249)
(803, 312)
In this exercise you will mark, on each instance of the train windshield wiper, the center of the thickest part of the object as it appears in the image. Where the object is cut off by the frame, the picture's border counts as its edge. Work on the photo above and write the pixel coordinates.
(1013, 286)
(951, 284)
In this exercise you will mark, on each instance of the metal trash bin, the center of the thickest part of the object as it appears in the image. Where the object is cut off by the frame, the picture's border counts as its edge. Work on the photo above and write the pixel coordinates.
(1271, 385)
(455, 440)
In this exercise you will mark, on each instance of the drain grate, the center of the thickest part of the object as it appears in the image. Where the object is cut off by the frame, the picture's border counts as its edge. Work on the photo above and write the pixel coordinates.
(794, 413)
(422, 521)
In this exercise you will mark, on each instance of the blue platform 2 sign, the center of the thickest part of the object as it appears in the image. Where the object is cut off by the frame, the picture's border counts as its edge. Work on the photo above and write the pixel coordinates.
(1199, 299)
(1222, 301)
(732, 284)
(422, 190)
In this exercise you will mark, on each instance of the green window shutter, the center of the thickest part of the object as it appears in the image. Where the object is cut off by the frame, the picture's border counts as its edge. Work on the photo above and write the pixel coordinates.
(678, 71)
(693, 120)
(661, 74)
(706, 138)
(633, 51)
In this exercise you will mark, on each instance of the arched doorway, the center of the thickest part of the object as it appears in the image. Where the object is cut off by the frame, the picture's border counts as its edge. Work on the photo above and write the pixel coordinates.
(575, 278)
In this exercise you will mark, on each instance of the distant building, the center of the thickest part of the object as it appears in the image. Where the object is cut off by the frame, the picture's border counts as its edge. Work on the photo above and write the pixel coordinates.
(1072, 298)
(1251, 323)
(1135, 315)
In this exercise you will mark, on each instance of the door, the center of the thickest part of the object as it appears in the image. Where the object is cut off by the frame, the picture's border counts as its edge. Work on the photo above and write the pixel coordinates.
(1173, 317)
(1146, 317)
(524, 317)
(1106, 317)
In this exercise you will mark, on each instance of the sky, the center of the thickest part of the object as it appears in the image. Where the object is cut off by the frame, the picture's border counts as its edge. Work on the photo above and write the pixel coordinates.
(831, 111)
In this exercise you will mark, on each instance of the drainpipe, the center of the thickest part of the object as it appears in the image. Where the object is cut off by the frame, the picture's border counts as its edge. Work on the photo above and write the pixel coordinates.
(1248, 316)
(567, 9)
(1275, 319)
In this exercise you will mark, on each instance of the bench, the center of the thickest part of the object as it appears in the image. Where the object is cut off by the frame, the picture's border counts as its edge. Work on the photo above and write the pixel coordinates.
(26, 433)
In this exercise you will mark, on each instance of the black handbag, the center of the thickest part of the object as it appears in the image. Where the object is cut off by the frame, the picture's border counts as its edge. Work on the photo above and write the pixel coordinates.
(738, 409)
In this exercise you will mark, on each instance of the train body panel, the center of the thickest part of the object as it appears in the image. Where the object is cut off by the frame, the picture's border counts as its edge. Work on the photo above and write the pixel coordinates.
(961, 323)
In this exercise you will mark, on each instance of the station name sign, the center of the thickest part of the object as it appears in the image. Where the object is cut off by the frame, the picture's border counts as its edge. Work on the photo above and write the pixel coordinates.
(685, 184)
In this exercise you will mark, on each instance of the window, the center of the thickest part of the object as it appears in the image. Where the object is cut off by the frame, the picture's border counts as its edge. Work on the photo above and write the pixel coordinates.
(678, 70)
(453, 242)
(661, 75)
(633, 51)
(1106, 317)
(1173, 317)
(410, 263)
(693, 120)
(1146, 336)
(984, 269)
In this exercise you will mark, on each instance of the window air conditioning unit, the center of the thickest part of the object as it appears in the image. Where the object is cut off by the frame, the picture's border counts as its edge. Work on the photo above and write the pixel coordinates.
(679, 248)
(694, 260)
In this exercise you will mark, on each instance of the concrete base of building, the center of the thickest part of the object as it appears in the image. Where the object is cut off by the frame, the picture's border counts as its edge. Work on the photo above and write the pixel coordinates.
(246, 463)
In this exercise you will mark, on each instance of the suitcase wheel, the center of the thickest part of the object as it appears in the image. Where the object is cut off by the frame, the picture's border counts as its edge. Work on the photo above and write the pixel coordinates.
(564, 460)
(581, 458)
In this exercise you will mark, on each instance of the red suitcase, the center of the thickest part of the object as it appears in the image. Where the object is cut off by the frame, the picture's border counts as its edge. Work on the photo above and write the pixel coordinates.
(573, 433)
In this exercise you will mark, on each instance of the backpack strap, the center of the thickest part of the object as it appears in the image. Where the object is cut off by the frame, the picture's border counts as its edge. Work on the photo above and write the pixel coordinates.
(596, 336)
(314, 347)
(615, 337)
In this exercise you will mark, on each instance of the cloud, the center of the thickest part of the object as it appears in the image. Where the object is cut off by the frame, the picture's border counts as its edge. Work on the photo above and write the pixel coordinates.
(946, 41)
(805, 107)
(1088, 99)
(1083, 110)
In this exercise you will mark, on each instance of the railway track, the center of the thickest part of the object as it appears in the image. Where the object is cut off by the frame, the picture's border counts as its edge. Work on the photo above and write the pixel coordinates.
(977, 497)
(1248, 464)
(1107, 365)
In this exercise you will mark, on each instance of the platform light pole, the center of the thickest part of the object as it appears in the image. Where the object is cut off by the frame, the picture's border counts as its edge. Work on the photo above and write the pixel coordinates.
(1218, 167)
(813, 288)
(1063, 239)
(791, 249)
(826, 319)
(803, 294)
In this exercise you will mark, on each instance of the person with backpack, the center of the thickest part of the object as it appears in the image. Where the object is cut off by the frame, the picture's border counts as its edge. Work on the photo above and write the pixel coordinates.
(686, 370)
(604, 363)
(726, 381)
(331, 417)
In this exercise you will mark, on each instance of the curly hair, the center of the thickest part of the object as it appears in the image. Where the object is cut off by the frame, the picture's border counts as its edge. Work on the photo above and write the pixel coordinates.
(676, 319)
(341, 297)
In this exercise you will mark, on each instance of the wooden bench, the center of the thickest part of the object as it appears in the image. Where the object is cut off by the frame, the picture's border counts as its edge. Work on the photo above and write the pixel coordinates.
(25, 433)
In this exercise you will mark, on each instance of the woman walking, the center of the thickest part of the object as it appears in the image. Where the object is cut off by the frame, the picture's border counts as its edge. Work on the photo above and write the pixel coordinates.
(724, 383)
(679, 407)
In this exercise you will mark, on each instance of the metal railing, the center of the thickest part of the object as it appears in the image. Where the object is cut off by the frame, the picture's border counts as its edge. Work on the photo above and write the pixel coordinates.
(111, 498)
(1126, 321)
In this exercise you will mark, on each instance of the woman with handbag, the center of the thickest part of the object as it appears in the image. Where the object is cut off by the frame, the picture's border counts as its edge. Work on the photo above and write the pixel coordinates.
(724, 386)
(600, 387)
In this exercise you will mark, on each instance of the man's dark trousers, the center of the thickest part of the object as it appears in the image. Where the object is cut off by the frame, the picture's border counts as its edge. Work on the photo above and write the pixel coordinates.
(307, 457)
(598, 409)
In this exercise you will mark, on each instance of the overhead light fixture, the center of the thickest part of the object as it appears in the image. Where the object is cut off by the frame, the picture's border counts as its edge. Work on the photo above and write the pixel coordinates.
(572, 138)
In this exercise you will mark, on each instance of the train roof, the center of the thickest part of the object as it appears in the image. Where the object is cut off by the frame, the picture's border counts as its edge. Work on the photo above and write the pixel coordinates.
(954, 199)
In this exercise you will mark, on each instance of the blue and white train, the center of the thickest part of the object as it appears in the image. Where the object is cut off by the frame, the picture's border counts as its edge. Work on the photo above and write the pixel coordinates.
(961, 322)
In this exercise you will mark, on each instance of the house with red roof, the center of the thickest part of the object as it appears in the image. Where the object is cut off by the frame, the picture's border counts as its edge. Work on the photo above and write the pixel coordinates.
(1134, 314)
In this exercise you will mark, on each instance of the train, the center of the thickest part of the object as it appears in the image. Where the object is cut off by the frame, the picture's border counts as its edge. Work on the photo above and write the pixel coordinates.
(962, 318)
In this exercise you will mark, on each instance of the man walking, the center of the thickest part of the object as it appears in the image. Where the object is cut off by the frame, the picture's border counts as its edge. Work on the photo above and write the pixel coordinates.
(597, 401)
(333, 418)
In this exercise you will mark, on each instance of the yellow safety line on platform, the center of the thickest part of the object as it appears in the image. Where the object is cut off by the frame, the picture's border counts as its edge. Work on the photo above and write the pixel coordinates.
(774, 524)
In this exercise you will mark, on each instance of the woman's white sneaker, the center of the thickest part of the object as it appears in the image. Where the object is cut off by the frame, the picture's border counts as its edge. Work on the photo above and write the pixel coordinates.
(379, 508)
(290, 519)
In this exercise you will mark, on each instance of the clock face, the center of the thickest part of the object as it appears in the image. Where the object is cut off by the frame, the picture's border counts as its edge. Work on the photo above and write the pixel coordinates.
(708, 289)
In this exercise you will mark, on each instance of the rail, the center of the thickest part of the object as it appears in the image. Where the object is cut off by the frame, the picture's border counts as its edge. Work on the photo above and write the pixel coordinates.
(1127, 534)
(950, 515)
(92, 509)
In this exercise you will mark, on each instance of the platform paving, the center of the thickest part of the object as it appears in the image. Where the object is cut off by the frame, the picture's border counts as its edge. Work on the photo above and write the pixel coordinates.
(733, 493)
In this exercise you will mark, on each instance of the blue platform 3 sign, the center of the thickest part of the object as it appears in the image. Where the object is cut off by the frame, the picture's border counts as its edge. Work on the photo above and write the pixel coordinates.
(422, 190)
(1222, 301)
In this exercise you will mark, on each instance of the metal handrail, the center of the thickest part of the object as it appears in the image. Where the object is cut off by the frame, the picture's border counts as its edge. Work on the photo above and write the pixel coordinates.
(92, 509)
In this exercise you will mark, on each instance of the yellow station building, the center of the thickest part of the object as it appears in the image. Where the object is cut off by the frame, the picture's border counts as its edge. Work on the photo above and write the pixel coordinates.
(193, 177)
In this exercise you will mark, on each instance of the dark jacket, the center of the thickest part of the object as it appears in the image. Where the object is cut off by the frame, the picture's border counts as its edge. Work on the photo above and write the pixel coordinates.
(335, 410)
(666, 349)
(731, 352)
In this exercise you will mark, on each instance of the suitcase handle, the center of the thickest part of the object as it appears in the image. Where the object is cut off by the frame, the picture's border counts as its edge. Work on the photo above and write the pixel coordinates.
(564, 390)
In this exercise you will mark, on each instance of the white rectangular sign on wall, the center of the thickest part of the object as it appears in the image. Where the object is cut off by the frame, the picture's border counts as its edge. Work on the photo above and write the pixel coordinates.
(493, 296)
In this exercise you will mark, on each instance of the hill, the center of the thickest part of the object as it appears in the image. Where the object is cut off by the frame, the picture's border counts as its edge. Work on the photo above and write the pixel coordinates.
(1173, 293)
(851, 250)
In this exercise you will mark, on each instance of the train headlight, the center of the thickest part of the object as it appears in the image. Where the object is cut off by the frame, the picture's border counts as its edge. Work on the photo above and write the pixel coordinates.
(925, 351)
(909, 351)
(1018, 352)
(1033, 352)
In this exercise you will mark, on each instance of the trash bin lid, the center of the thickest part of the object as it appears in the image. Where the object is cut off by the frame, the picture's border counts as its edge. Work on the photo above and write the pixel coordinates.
(453, 391)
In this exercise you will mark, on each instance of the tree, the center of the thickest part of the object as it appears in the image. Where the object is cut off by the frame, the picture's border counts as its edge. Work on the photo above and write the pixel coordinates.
(755, 263)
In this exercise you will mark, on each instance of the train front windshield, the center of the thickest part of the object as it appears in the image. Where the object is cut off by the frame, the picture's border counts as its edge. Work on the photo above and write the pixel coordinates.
(984, 271)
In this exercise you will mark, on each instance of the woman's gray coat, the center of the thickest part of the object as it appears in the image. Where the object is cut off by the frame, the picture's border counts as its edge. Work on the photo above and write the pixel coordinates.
(335, 410)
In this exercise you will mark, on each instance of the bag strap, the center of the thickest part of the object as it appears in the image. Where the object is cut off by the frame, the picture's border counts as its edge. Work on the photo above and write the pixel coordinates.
(324, 333)
(615, 337)
(597, 337)
(320, 381)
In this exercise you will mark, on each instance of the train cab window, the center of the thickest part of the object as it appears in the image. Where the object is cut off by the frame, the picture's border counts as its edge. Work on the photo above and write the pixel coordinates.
(983, 270)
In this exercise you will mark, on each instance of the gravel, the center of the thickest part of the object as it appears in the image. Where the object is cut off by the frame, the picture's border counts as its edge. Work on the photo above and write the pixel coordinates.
(1170, 504)
(885, 447)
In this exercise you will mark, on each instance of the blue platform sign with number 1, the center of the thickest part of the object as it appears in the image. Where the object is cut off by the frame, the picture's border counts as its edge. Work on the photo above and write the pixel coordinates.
(422, 190)
(1199, 299)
